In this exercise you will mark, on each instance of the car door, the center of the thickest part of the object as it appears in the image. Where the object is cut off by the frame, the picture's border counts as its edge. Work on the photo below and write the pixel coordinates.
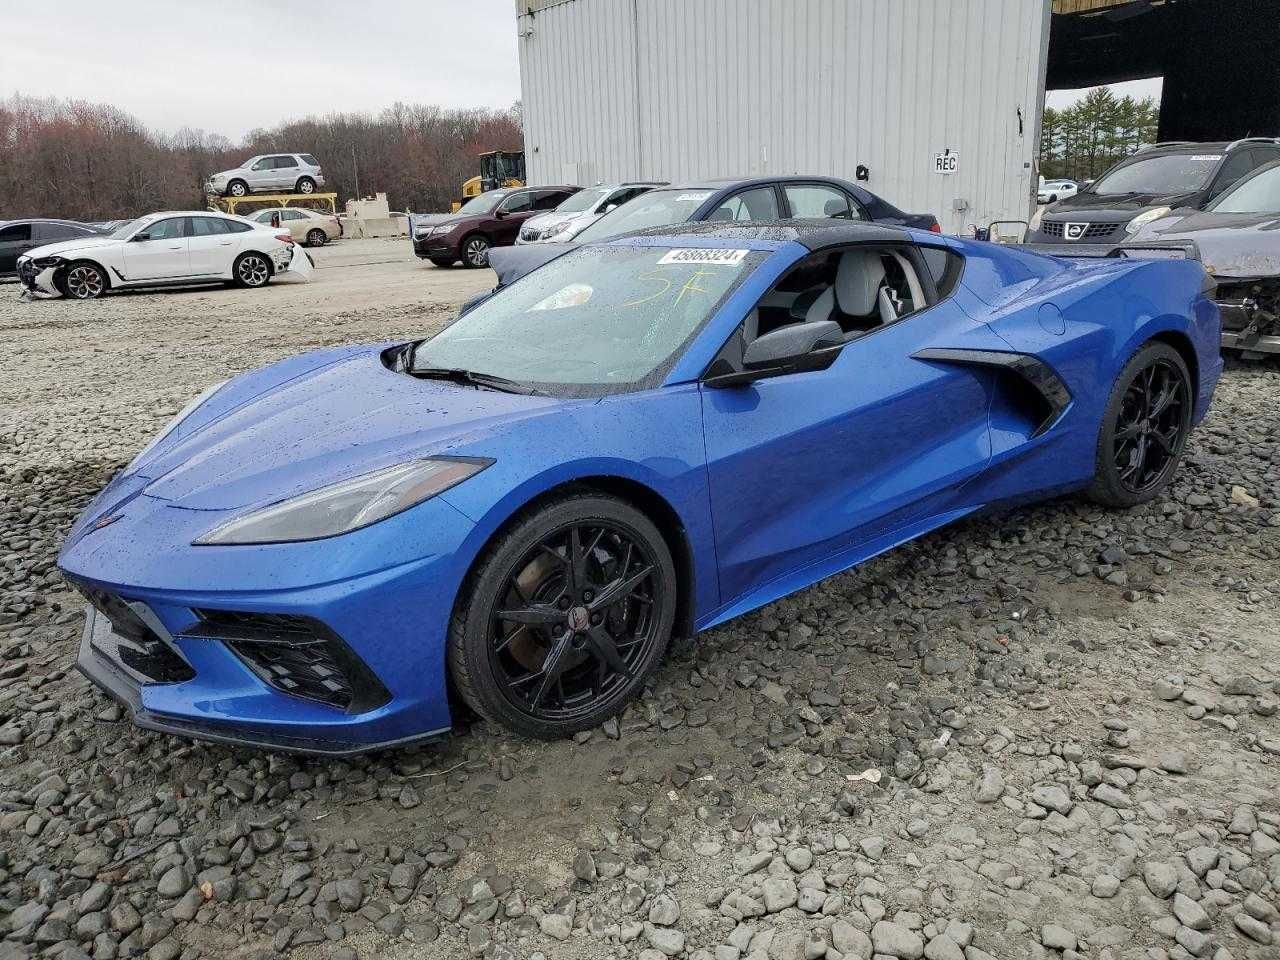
(808, 469)
(158, 251)
(296, 222)
(261, 174)
(287, 172)
(15, 240)
(210, 247)
(513, 211)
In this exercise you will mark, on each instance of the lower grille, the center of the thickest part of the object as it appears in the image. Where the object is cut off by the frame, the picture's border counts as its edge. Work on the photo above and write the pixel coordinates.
(529, 235)
(296, 655)
(135, 644)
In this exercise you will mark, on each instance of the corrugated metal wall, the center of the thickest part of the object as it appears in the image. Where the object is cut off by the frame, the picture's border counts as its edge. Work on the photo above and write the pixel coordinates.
(677, 89)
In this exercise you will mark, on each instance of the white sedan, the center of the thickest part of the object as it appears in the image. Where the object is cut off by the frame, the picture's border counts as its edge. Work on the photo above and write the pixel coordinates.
(1051, 191)
(163, 249)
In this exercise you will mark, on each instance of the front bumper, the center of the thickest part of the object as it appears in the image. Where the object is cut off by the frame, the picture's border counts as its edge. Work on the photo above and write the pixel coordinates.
(36, 281)
(385, 597)
(436, 246)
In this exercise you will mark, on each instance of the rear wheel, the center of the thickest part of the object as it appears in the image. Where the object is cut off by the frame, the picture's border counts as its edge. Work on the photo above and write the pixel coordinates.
(565, 618)
(475, 251)
(84, 281)
(305, 185)
(237, 188)
(1144, 429)
(317, 238)
(252, 270)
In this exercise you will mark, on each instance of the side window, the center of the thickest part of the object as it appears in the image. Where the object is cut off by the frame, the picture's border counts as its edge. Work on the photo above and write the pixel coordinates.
(550, 199)
(945, 268)
(816, 200)
(263, 163)
(285, 163)
(1237, 165)
(18, 233)
(207, 226)
(235, 226)
(619, 197)
(309, 160)
(758, 204)
(519, 202)
(52, 232)
(292, 215)
(170, 229)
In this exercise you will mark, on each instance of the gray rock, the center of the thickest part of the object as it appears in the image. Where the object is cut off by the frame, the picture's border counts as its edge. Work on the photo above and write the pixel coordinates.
(1189, 913)
(779, 893)
(991, 787)
(1161, 878)
(850, 941)
(665, 940)
(665, 911)
(173, 883)
(895, 940)
(1252, 928)
(942, 947)
(556, 925)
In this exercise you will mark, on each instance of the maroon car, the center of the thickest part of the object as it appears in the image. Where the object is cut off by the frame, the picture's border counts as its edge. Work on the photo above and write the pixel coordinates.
(492, 219)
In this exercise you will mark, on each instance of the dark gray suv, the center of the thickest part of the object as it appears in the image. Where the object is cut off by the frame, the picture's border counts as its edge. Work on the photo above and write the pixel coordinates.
(1148, 185)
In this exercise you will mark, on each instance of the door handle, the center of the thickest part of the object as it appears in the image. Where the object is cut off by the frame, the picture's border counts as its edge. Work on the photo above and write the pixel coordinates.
(176, 246)
(225, 243)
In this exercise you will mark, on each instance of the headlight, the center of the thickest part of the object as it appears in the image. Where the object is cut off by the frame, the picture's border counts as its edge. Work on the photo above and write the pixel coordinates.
(44, 263)
(557, 228)
(349, 505)
(175, 422)
(1142, 219)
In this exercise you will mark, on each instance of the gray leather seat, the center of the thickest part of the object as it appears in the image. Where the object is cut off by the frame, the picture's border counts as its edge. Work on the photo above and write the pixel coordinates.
(860, 277)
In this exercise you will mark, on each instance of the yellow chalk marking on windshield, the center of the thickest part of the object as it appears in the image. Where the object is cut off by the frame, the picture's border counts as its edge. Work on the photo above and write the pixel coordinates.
(652, 275)
(691, 285)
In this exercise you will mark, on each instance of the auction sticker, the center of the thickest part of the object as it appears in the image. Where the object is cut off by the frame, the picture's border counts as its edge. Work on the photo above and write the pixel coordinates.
(702, 255)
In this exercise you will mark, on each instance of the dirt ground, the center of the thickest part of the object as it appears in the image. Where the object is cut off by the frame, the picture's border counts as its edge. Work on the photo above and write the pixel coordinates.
(1052, 732)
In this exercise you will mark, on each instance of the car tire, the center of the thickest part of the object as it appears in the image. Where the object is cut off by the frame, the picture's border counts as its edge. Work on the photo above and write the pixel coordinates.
(1144, 428)
(442, 263)
(475, 251)
(602, 653)
(252, 270)
(237, 188)
(304, 185)
(83, 280)
(317, 238)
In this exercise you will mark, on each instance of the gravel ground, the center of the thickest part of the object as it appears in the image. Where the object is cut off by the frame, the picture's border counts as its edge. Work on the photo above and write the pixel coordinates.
(1052, 732)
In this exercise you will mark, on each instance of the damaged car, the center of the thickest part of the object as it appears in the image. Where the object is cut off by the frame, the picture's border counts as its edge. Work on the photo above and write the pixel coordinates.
(1238, 239)
(176, 248)
(640, 440)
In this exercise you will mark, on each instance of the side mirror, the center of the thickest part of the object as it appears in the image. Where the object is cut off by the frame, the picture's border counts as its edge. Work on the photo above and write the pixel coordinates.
(1008, 231)
(608, 207)
(501, 214)
(140, 237)
(789, 346)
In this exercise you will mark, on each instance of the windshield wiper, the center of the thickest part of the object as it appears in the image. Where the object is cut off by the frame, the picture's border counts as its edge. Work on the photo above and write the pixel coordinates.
(475, 379)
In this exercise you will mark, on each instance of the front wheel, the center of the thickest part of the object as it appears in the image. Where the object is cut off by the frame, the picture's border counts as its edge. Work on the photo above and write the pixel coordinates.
(475, 252)
(237, 188)
(565, 618)
(84, 281)
(1144, 428)
(305, 185)
(317, 238)
(252, 270)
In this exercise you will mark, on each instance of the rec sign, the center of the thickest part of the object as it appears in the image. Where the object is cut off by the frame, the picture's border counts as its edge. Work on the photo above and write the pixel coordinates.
(946, 162)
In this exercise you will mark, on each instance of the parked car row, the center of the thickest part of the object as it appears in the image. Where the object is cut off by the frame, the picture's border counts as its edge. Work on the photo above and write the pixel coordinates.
(162, 249)
(1221, 200)
(502, 218)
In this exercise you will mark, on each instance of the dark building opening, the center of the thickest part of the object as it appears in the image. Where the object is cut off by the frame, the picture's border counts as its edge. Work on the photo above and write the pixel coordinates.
(1220, 59)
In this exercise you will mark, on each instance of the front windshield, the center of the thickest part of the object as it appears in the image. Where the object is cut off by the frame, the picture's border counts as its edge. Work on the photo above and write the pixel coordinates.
(483, 203)
(657, 208)
(122, 231)
(1259, 194)
(1164, 175)
(593, 321)
(582, 200)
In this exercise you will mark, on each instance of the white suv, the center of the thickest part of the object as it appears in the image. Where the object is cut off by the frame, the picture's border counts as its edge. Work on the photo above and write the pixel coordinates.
(162, 249)
(268, 173)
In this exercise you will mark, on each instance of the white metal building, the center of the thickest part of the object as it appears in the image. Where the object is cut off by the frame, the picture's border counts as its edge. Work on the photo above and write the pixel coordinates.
(683, 89)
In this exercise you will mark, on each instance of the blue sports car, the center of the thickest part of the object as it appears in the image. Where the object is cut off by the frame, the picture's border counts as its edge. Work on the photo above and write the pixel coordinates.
(641, 439)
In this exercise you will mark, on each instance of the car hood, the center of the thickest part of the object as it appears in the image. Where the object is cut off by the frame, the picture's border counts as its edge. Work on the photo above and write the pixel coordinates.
(512, 263)
(237, 172)
(64, 247)
(337, 416)
(543, 220)
(1236, 245)
(1112, 209)
(432, 219)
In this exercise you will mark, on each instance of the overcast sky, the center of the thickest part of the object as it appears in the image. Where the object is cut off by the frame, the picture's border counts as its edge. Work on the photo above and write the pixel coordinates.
(232, 65)
(1058, 99)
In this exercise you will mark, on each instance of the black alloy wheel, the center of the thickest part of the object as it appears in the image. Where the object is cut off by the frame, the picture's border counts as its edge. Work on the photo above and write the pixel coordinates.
(1145, 428)
(570, 614)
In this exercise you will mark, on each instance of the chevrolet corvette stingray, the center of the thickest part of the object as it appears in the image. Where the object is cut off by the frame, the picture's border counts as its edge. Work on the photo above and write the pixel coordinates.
(641, 439)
